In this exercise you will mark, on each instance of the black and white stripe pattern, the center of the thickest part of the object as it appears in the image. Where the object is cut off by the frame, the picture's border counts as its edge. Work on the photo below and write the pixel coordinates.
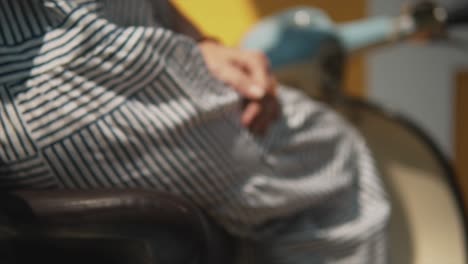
(96, 94)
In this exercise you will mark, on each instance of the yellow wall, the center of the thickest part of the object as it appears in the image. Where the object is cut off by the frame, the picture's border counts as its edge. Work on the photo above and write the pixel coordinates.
(226, 20)
(229, 20)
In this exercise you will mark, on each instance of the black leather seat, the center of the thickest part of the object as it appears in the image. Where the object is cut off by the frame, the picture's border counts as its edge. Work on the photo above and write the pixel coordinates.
(107, 226)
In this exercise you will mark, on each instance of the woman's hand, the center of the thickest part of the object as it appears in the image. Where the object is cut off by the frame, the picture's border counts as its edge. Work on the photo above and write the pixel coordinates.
(248, 73)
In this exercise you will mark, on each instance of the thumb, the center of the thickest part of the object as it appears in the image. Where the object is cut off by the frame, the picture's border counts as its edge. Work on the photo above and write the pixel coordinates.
(242, 83)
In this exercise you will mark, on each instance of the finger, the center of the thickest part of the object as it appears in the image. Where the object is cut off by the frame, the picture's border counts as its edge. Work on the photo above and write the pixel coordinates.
(257, 66)
(250, 113)
(260, 125)
(275, 107)
(273, 86)
(267, 116)
(241, 82)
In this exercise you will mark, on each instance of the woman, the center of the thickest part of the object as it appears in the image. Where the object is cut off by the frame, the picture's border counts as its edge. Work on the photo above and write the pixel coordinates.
(125, 94)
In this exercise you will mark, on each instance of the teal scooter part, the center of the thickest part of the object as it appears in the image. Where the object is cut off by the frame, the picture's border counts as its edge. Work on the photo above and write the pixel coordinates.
(291, 36)
(298, 35)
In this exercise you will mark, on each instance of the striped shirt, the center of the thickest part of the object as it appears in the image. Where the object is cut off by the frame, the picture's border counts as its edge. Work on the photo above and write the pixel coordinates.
(102, 94)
